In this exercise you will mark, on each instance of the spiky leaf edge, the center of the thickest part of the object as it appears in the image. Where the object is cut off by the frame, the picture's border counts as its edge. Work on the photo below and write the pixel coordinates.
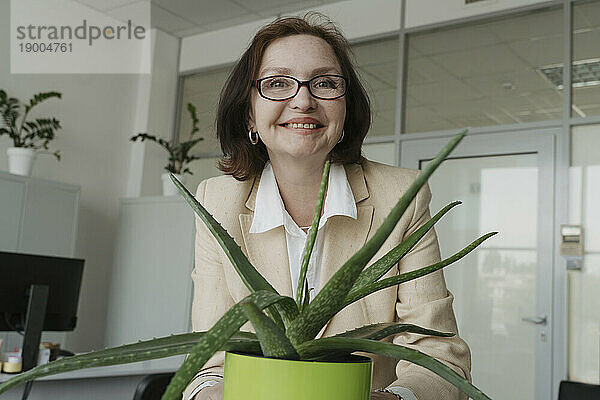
(142, 351)
(301, 292)
(317, 346)
(359, 293)
(377, 331)
(282, 313)
(273, 341)
(386, 262)
(330, 300)
(214, 339)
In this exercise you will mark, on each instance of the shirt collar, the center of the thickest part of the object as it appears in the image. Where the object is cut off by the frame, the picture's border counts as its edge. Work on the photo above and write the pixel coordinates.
(269, 211)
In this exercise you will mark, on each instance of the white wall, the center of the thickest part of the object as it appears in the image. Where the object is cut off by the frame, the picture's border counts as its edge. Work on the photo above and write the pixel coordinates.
(161, 108)
(376, 17)
(155, 104)
(97, 113)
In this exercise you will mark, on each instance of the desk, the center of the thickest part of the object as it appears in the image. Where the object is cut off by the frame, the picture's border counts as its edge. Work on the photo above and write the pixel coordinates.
(116, 382)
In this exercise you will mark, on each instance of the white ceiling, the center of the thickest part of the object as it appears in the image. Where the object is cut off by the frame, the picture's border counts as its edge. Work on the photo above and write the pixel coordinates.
(477, 74)
(488, 73)
(188, 17)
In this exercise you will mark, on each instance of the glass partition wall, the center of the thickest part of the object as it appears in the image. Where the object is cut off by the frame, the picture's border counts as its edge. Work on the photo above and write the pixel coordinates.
(586, 59)
(584, 298)
(501, 73)
(584, 194)
(493, 72)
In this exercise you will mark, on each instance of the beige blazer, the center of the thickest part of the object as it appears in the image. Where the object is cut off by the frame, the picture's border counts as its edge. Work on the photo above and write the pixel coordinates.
(425, 302)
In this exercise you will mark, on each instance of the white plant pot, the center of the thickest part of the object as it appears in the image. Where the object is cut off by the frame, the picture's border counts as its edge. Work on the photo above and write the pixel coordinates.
(169, 188)
(20, 160)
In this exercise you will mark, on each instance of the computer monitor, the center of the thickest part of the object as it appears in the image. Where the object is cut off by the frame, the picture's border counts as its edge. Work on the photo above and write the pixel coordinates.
(38, 293)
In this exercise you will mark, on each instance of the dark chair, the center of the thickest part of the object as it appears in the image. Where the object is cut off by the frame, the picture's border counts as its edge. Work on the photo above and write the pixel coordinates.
(153, 386)
(579, 391)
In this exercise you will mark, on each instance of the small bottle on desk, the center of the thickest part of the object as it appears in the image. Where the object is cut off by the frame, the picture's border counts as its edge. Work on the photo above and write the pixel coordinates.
(14, 365)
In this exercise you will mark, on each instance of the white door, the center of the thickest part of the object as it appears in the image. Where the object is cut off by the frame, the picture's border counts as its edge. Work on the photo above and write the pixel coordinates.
(503, 291)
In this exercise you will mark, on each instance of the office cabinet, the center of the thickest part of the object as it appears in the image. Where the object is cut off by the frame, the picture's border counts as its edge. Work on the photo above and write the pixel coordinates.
(37, 216)
(150, 288)
(12, 194)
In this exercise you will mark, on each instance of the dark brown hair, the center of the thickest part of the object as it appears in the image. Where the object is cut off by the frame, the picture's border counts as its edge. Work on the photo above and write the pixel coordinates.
(242, 159)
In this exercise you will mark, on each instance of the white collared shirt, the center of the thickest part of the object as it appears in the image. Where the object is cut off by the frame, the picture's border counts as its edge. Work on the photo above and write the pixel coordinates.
(270, 212)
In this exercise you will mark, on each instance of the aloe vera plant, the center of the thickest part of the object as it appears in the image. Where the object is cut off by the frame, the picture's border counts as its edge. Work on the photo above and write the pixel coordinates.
(289, 328)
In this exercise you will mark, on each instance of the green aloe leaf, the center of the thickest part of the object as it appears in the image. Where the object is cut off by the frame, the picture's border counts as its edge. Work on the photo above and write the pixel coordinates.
(378, 332)
(330, 299)
(384, 329)
(316, 347)
(385, 263)
(358, 293)
(306, 299)
(214, 339)
(273, 341)
(253, 280)
(310, 242)
(144, 350)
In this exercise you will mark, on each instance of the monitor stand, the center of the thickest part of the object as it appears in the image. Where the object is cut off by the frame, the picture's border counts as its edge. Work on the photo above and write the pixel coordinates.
(34, 324)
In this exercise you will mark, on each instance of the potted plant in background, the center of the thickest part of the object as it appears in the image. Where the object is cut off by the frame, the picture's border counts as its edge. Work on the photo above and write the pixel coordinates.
(285, 335)
(179, 156)
(28, 136)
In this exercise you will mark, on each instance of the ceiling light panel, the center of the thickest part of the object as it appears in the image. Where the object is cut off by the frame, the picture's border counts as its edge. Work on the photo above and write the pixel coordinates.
(584, 73)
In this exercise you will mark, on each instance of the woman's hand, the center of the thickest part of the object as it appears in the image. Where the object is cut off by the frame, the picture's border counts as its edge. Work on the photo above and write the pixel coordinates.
(210, 393)
(383, 396)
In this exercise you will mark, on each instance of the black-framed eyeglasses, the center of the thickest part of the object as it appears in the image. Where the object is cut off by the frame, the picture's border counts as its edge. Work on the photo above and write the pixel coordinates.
(283, 87)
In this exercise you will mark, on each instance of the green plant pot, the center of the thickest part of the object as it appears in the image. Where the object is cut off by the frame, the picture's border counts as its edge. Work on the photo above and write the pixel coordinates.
(252, 377)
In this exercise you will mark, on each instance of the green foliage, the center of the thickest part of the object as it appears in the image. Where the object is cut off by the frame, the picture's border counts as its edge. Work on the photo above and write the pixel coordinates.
(34, 134)
(215, 338)
(330, 299)
(179, 156)
(40, 98)
(293, 325)
(385, 263)
(273, 341)
(357, 293)
(319, 346)
(310, 242)
(143, 350)
(284, 312)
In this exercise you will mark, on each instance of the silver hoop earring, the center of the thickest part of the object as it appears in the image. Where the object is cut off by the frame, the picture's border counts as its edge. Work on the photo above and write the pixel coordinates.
(341, 137)
(253, 140)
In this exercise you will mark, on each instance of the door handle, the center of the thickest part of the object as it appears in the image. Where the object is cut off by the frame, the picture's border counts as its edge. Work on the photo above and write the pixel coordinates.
(543, 320)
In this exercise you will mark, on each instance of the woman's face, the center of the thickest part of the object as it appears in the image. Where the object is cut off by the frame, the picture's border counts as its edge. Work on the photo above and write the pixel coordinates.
(302, 57)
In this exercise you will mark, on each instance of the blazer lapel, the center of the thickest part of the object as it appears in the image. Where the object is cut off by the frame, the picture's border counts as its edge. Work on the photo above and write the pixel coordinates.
(263, 248)
(344, 235)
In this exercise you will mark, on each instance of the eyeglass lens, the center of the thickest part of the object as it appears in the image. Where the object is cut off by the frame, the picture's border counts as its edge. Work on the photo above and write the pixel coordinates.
(282, 87)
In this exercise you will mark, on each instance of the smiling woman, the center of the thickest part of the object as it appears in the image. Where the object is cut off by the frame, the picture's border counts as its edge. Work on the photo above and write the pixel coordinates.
(292, 102)
(296, 51)
(281, 125)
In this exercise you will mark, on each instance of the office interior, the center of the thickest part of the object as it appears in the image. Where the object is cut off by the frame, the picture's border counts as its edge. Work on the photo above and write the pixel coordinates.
(522, 75)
